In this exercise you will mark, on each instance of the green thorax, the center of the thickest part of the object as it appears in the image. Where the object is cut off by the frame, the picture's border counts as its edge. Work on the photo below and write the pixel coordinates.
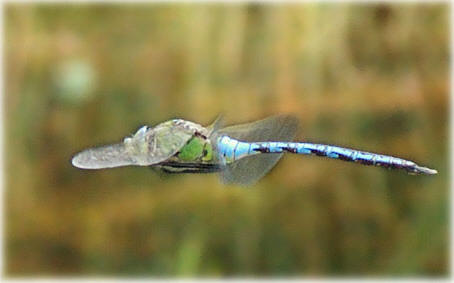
(184, 140)
(198, 148)
(166, 140)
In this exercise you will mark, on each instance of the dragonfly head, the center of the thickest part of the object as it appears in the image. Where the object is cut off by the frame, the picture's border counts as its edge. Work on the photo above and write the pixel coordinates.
(132, 151)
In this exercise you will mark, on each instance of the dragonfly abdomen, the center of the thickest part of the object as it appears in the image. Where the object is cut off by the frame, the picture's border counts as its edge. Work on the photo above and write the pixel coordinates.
(233, 150)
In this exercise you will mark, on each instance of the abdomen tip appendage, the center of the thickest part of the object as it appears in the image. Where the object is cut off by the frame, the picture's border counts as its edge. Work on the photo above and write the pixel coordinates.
(425, 170)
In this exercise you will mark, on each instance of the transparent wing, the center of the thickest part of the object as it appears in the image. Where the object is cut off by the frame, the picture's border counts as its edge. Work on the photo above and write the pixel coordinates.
(250, 169)
(216, 125)
(116, 155)
(165, 140)
(108, 156)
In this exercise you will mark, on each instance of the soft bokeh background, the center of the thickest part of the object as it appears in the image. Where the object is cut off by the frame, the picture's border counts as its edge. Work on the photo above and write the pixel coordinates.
(373, 77)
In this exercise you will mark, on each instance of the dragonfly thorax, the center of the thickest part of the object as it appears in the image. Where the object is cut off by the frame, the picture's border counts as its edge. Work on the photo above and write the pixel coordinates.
(150, 145)
(191, 126)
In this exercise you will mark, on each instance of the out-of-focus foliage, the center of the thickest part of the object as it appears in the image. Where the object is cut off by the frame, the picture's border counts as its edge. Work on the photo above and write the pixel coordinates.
(373, 77)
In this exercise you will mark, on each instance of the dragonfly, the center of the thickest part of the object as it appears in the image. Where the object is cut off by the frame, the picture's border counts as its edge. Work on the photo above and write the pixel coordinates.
(241, 154)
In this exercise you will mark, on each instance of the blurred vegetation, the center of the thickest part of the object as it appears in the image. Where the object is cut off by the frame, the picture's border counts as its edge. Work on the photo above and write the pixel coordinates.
(368, 76)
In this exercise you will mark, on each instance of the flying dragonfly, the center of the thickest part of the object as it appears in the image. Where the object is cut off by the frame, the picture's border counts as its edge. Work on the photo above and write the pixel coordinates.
(241, 154)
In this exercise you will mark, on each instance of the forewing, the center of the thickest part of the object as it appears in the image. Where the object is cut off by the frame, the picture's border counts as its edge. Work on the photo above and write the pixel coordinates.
(103, 157)
(249, 170)
(146, 147)
(216, 125)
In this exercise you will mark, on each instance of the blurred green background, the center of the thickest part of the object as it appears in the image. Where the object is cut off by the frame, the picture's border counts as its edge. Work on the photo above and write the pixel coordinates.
(368, 76)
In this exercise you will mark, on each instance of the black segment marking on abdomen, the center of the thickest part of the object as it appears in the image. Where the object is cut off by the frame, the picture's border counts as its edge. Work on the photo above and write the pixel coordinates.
(389, 165)
(290, 149)
(345, 157)
(364, 161)
(262, 149)
(318, 152)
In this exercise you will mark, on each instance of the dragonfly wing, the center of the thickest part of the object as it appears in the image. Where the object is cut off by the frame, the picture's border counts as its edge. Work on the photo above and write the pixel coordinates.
(103, 157)
(121, 154)
(216, 125)
(249, 170)
(148, 146)
(164, 145)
